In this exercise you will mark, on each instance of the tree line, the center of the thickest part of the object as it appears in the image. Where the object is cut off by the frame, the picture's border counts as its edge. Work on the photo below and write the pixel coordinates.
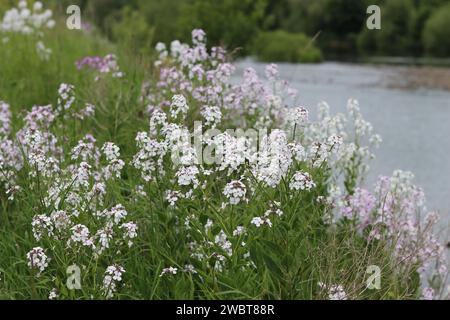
(337, 28)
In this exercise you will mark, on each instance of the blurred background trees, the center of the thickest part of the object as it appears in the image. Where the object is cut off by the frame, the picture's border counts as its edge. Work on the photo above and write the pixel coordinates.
(266, 28)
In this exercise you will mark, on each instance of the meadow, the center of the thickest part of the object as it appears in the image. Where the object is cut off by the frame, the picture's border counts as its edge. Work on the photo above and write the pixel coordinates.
(111, 190)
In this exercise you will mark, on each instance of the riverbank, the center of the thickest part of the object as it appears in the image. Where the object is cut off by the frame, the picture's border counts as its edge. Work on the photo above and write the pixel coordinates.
(413, 77)
(408, 106)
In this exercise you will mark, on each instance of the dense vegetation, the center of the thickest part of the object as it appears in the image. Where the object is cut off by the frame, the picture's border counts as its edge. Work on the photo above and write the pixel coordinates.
(412, 28)
(98, 170)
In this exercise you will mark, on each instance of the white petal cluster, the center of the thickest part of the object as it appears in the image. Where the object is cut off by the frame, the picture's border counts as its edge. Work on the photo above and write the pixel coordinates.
(335, 292)
(113, 276)
(169, 271)
(301, 181)
(42, 225)
(299, 116)
(179, 106)
(25, 20)
(212, 115)
(37, 259)
(235, 191)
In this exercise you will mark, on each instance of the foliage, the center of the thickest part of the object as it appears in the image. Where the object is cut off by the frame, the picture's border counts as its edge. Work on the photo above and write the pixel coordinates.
(87, 156)
(435, 34)
(339, 26)
(131, 31)
(282, 46)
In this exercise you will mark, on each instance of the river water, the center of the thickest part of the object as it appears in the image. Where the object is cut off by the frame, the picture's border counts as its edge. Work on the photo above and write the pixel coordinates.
(413, 122)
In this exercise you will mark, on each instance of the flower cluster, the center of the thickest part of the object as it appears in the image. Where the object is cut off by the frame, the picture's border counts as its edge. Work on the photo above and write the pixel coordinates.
(37, 259)
(74, 219)
(335, 292)
(287, 157)
(393, 214)
(229, 201)
(235, 191)
(301, 181)
(113, 276)
(103, 65)
(28, 21)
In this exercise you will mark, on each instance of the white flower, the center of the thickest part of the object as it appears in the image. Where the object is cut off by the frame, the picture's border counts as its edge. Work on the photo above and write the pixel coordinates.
(172, 197)
(97, 194)
(115, 215)
(274, 158)
(111, 151)
(41, 225)
(274, 210)
(37, 6)
(240, 230)
(113, 275)
(43, 52)
(335, 141)
(80, 234)
(298, 151)
(66, 96)
(149, 156)
(301, 181)
(50, 24)
(25, 21)
(53, 295)
(112, 154)
(188, 176)
(259, 221)
(37, 259)
(105, 235)
(118, 212)
(222, 241)
(299, 116)
(208, 225)
(212, 115)
(115, 271)
(178, 105)
(82, 175)
(235, 191)
(169, 270)
(375, 140)
(189, 268)
(335, 292)
(198, 36)
(318, 153)
(231, 151)
(158, 118)
(272, 72)
(160, 46)
(130, 231)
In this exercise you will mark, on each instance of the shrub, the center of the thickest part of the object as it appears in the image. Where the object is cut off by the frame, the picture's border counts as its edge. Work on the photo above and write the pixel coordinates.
(436, 37)
(131, 31)
(230, 23)
(283, 46)
(393, 38)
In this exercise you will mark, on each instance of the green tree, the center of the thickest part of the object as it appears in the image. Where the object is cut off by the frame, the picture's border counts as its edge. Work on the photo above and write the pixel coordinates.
(436, 37)
(232, 23)
(393, 38)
